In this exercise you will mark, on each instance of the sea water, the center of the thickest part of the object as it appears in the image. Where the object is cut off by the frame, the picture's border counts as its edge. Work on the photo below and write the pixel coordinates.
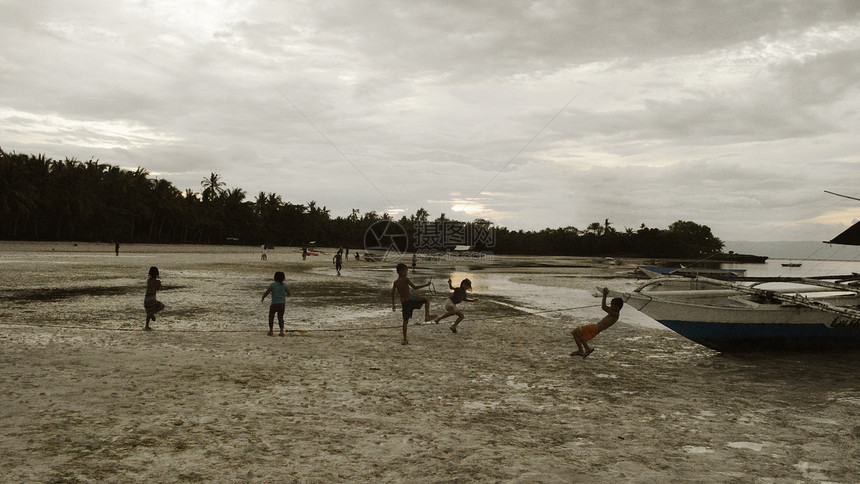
(808, 268)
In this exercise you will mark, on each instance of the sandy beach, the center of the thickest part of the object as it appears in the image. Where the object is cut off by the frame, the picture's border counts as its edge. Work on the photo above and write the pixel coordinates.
(207, 396)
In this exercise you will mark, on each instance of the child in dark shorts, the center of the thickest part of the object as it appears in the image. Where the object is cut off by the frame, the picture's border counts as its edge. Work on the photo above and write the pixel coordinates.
(409, 302)
(279, 292)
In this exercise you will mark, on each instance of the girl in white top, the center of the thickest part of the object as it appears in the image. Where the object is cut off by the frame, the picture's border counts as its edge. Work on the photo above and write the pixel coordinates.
(452, 304)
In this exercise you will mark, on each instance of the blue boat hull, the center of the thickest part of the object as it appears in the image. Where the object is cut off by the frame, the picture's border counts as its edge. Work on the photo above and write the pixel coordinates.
(738, 337)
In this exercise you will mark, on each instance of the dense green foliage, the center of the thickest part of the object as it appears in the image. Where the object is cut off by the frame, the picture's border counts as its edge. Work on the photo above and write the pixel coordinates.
(44, 199)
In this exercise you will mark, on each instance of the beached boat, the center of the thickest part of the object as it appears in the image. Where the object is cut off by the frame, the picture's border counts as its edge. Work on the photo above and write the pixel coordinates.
(657, 272)
(793, 314)
(733, 317)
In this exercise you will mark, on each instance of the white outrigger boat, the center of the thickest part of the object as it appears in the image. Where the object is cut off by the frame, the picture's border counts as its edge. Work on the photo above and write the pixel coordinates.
(811, 313)
(791, 314)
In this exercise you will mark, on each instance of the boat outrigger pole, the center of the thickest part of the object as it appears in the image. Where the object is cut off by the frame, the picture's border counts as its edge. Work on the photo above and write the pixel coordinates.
(843, 196)
(851, 236)
(795, 298)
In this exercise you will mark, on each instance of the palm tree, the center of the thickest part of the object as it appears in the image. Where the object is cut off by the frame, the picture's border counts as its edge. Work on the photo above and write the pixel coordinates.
(166, 208)
(213, 187)
(190, 207)
(17, 195)
(607, 227)
(266, 207)
(39, 173)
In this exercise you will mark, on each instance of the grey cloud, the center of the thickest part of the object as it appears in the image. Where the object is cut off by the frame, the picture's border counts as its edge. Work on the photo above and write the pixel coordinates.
(428, 98)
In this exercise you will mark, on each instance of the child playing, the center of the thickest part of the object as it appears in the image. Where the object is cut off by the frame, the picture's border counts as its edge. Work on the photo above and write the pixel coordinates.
(452, 303)
(409, 302)
(338, 260)
(152, 306)
(279, 292)
(586, 333)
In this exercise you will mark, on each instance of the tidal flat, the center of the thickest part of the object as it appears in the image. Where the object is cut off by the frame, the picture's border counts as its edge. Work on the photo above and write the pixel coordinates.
(207, 396)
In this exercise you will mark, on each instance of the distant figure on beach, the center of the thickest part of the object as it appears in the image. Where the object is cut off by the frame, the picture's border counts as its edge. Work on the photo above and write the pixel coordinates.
(116, 247)
(264, 256)
(452, 303)
(409, 302)
(338, 260)
(414, 260)
(346, 255)
(358, 256)
(152, 306)
(583, 334)
(304, 253)
(279, 292)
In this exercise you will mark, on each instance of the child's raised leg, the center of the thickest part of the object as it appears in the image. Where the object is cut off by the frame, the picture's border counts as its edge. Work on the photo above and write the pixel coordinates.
(427, 316)
(447, 314)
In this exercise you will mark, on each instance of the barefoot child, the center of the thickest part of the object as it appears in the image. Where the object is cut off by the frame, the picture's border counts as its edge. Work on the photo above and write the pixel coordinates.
(338, 260)
(408, 301)
(583, 334)
(452, 303)
(279, 292)
(152, 306)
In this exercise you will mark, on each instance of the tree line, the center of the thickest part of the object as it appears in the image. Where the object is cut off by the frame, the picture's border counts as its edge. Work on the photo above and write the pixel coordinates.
(46, 199)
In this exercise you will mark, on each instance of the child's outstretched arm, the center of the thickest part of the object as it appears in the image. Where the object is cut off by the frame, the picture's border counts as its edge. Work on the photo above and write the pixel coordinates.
(393, 294)
(268, 291)
(450, 286)
(612, 311)
(413, 286)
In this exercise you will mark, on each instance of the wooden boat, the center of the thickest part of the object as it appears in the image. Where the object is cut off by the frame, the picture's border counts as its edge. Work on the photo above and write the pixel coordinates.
(732, 317)
(793, 314)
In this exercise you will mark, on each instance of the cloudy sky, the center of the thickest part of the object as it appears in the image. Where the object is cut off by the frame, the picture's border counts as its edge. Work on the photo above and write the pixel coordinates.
(736, 115)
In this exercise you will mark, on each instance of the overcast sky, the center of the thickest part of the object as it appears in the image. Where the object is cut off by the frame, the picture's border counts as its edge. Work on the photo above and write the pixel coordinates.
(736, 115)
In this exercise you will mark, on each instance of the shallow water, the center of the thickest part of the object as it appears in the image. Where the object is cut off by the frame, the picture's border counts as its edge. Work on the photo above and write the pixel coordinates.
(808, 268)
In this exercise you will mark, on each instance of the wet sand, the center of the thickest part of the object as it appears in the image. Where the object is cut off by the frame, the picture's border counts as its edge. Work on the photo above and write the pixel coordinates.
(89, 397)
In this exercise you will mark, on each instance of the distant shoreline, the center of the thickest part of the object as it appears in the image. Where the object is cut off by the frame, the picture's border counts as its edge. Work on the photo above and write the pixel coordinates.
(794, 251)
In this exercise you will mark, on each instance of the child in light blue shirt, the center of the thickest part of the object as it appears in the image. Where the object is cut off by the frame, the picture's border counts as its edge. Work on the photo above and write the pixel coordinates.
(279, 292)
